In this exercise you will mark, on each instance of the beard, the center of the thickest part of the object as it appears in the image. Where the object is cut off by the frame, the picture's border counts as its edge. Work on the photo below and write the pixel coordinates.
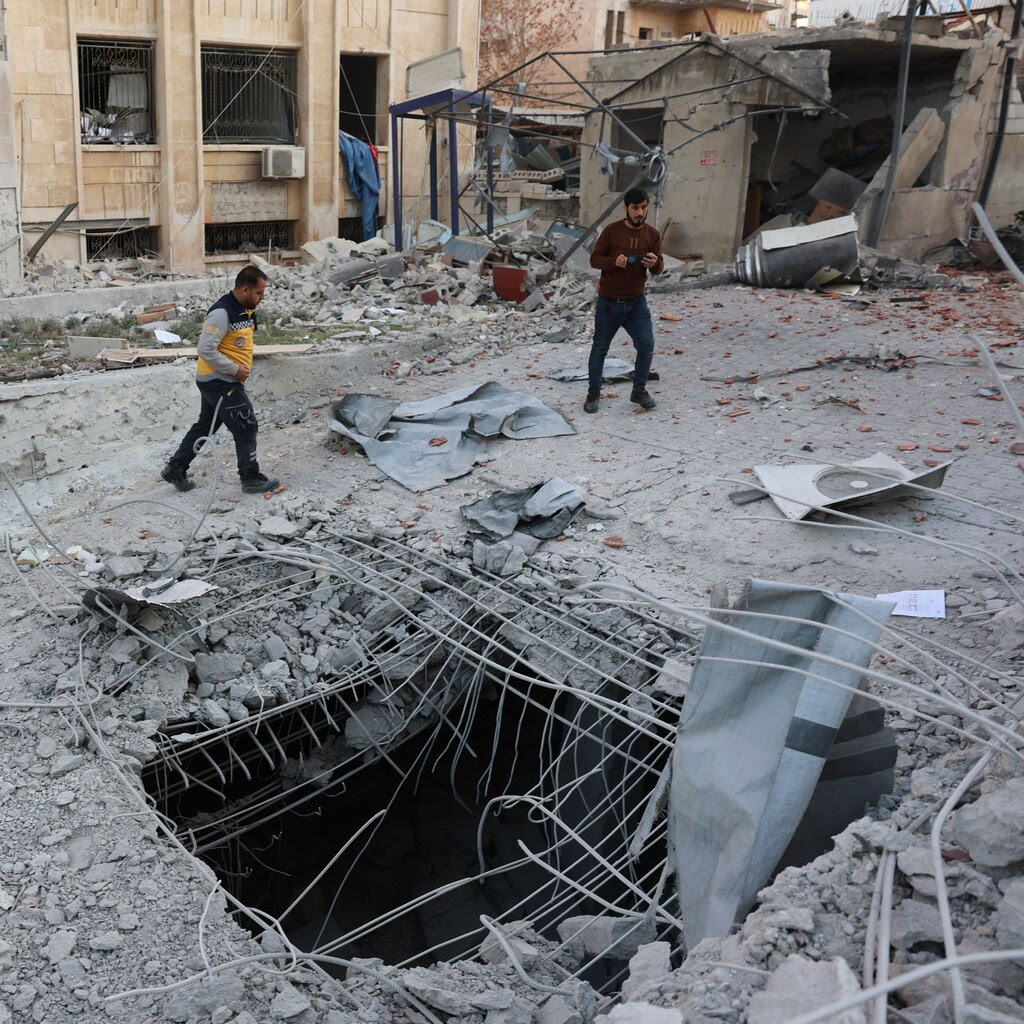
(636, 221)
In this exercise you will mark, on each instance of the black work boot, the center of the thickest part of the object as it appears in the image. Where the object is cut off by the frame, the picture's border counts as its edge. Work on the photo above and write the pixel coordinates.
(643, 399)
(176, 475)
(590, 405)
(259, 484)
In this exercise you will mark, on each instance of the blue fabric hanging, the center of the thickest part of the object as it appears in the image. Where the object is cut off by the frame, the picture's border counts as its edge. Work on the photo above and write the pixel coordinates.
(361, 171)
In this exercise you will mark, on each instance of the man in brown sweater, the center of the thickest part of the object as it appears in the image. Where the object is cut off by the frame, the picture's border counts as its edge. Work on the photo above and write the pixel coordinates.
(624, 253)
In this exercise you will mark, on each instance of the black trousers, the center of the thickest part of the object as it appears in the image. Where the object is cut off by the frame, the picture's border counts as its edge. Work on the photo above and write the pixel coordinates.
(235, 412)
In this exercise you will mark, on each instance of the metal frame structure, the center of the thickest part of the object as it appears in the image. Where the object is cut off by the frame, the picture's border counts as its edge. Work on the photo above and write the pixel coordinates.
(428, 108)
(442, 105)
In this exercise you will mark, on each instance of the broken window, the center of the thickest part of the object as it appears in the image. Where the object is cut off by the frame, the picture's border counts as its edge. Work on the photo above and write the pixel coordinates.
(645, 33)
(646, 123)
(115, 91)
(124, 244)
(253, 236)
(352, 227)
(614, 29)
(362, 81)
(249, 95)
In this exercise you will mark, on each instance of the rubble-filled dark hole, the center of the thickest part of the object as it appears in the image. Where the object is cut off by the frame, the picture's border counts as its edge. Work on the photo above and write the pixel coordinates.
(435, 787)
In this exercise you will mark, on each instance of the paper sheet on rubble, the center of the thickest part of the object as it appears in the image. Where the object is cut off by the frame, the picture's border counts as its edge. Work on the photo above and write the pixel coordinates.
(425, 444)
(754, 735)
(614, 369)
(918, 604)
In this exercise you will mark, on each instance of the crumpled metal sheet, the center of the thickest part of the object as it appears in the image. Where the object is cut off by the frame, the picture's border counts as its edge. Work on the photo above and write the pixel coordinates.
(542, 511)
(425, 444)
(753, 739)
(615, 369)
(799, 489)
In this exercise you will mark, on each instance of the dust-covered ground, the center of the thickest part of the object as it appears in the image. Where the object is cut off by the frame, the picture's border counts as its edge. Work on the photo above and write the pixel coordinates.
(100, 899)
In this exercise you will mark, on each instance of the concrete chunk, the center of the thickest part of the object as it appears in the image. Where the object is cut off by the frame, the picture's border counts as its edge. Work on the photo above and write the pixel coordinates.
(60, 946)
(1010, 929)
(288, 1003)
(619, 937)
(202, 999)
(644, 1013)
(915, 921)
(799, 986)
(279, 527)
(219, 668)
(650, 965)
(991, 829)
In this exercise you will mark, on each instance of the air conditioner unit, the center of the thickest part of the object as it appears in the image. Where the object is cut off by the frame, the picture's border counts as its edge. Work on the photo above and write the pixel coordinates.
(284, 162)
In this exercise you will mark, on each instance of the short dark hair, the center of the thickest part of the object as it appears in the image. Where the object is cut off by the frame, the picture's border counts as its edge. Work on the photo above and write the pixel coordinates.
(635, 196)
(249, 277)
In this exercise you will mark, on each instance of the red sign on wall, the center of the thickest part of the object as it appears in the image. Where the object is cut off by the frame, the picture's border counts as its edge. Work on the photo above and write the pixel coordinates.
(709, 157)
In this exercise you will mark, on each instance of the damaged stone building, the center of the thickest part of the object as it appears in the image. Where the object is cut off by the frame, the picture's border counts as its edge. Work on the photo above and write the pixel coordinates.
(203, 129)
(731, 135)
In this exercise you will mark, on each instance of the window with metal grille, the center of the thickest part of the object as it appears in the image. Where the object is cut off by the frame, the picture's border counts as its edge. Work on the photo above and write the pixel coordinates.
(252, 236)
(249, 95)
(127, 244)
(115, 91)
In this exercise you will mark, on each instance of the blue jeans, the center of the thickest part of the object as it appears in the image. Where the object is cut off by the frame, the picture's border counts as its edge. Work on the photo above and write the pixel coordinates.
(609, 315)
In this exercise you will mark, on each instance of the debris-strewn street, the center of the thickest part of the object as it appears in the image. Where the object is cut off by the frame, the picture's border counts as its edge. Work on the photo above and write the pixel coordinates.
(438, 756)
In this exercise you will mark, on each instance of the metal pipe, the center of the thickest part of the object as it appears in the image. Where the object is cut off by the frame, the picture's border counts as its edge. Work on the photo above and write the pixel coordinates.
(882, 209)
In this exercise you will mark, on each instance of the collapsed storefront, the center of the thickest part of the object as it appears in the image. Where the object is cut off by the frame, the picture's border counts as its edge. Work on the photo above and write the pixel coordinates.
(746, 132)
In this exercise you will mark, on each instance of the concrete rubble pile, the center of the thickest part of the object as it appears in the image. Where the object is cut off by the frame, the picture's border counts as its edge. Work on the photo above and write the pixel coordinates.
(358, 285)
(81, 901)
(43, 275)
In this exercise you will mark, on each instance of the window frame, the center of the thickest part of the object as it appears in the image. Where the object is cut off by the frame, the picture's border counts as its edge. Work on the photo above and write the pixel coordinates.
(240, 90)
(144, 51)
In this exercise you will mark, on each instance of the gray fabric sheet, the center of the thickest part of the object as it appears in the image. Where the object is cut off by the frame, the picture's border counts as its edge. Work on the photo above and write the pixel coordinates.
(396, 437)
(542, 511)
(753, 739)
(615, 369)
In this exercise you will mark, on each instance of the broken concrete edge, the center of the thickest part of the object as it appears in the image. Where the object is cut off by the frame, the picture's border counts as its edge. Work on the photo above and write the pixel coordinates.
(98, 300)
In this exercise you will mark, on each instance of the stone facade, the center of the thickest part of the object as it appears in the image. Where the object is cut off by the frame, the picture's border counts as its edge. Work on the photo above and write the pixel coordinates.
(173, 182)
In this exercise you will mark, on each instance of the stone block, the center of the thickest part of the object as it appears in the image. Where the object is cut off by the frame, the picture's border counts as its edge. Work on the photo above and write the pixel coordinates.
(84, 347)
